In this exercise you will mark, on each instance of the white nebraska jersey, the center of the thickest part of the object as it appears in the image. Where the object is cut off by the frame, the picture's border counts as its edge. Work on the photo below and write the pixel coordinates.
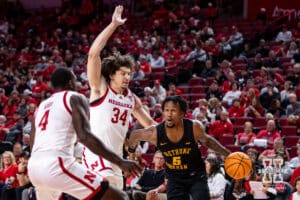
(109, 118)
(53, 124)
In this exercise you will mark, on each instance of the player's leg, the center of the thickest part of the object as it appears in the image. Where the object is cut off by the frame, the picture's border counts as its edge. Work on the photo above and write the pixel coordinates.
(113, 193)
(177, 190)
(46, 194)
(199, 189)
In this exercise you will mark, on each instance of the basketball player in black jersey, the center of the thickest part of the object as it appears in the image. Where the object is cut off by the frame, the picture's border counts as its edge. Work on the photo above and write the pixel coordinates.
(178, 138)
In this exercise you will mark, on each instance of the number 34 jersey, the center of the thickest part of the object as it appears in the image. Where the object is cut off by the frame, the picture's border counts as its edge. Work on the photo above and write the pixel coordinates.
(109, 118)
(53, 125)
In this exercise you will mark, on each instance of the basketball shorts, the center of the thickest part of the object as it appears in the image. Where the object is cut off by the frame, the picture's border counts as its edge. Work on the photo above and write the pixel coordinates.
(52, 175)
(103, 167)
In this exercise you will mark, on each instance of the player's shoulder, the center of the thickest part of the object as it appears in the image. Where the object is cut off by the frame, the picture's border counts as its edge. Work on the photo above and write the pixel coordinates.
(75, 96)
(197, 123)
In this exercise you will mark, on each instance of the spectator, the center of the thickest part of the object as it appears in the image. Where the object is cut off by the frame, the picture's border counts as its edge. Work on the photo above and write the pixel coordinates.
(293, 50)
(254, 109)
(4, 129)
(3, 99)
(214, 91)
(276, 109)
(17, 151)
(202, 104)
(270, 133)
(216, 180)
(236, 41)
(236, 109)
(157, 113)
(156, 60)
(198, 56)
(222, 126)
(144, 64)
(232, 94)
(262, 16)
(15, 127)
(295, 162)
(284, 94)
(294, 107)
(208, 70)
(152, 181)
(284, 35)
(173, 91)
(247, 136)
(296, 194)
(158, 91)
(148, 99)
(137, 74)
(267, 97)
(262, 49)
(277, 150)
(257, 64)
(8, 175)
(22, 176)
(273, 61)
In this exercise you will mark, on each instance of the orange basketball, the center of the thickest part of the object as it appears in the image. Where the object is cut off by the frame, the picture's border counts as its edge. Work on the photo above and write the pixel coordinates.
(238, 165)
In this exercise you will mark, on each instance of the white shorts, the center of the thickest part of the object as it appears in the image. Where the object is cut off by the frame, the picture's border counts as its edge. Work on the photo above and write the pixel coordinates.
(103, 167)
(52, 175)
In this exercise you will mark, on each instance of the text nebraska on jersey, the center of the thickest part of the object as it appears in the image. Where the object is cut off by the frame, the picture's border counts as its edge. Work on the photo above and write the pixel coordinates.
(117, 103)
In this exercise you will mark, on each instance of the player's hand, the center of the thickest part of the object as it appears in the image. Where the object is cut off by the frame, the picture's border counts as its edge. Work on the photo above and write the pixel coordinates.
(130, 168)
(117, 16)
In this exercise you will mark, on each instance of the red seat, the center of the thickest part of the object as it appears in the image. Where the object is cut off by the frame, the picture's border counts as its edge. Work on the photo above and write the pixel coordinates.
(195, 81)
(291, 141)
(158, 70)
(184, 88)
(283, 121)
(197, 89)
(241, 120)
(259, 122)
(233, 148)
(209, 81)
(172, 70)
(284, 59)
(159, 76)
(237, 61)
(293, 151)
(238, 128)
(237, 67)
(203, 150)
(196, 97)
(148, 157)
(288, 130)
(226, 139)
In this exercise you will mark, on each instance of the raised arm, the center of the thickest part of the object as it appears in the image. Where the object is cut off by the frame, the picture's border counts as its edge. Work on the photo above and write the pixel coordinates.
(96, 81)
(81, 124)
(141, 114)
(208, 140)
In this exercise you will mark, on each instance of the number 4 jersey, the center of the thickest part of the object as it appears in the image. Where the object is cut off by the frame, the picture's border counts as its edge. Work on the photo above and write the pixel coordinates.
(53, 125)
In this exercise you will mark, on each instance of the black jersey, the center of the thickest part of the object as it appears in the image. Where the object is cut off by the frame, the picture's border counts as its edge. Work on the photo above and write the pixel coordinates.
(183, 158)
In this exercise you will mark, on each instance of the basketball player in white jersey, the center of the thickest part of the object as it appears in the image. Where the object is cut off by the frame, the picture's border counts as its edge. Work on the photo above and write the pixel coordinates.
(59, 122)
(111, 102)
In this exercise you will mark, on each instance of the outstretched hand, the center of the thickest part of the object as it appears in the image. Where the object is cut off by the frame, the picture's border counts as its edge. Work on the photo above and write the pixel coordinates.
(130, 168)
(117, 16)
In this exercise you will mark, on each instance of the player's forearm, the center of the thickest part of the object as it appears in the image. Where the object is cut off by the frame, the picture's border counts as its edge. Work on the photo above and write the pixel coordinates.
(102, 39)
(133, 139)
(99, 148)
(213, 144)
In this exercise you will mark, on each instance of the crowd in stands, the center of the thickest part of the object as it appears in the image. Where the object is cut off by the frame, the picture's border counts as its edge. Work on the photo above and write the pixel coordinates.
(241, 80)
